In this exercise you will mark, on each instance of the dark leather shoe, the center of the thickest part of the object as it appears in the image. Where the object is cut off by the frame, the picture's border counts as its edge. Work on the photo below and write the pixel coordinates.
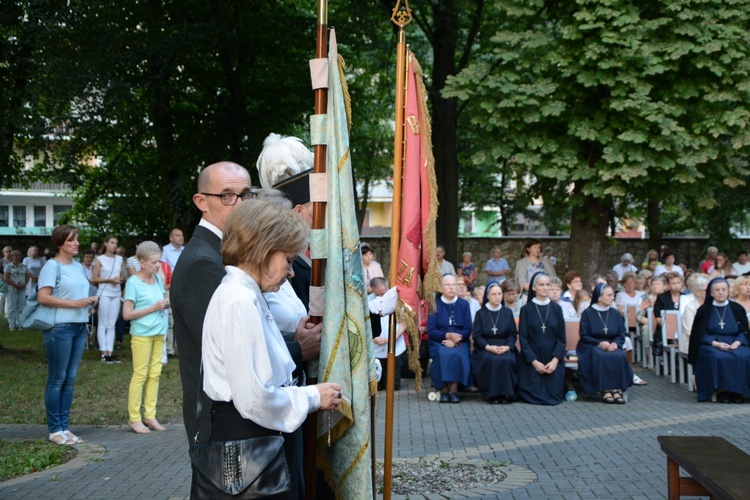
(444, 398)
(495, 401)
(723, 397)
(454, 398)
(505, 400)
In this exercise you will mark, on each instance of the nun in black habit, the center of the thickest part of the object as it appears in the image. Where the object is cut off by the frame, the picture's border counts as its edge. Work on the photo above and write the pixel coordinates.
(719, 346)
(602, 364)
(495, 335)
(541, 371)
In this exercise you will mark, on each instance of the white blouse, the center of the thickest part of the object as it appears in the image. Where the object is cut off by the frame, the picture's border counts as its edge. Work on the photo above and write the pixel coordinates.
(286, 308)
(246, 361)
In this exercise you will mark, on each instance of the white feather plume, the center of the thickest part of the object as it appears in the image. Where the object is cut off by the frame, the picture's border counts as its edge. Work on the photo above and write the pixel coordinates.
(282, 157)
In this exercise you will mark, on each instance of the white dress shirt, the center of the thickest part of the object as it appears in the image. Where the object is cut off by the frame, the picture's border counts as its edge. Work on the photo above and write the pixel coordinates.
(246, 361)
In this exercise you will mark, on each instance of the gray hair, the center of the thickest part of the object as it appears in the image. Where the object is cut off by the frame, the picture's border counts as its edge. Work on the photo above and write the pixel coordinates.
(274, 196)
(698, 282)
(146, 249)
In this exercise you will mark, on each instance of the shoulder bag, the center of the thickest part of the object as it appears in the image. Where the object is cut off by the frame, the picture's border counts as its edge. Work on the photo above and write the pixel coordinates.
(242, 468)
(36, 316)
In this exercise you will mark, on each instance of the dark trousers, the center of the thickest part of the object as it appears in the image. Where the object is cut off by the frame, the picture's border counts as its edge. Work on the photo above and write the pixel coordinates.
(400, 362)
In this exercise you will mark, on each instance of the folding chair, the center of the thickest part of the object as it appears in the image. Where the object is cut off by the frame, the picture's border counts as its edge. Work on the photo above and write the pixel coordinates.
(572, 335)
(652, 326)
(631, 325)
(671, 326)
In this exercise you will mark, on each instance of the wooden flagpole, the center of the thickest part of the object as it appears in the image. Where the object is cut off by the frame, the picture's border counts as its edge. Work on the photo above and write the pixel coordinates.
(316, 279)
(401, 17)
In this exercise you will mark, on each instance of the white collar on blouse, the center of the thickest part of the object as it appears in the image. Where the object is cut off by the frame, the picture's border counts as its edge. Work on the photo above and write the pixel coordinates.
(493, 309)
(541, 302)
(600, 308)
(721, 304)
(446, 301)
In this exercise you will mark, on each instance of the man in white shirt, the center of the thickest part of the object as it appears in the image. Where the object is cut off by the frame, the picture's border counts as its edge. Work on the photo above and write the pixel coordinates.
(446, 268)
(742, 265)
(172, 251)
(382, 303)
(625, 265)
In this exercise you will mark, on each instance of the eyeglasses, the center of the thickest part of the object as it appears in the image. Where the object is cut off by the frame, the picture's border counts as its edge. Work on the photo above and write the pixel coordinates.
(231, 199)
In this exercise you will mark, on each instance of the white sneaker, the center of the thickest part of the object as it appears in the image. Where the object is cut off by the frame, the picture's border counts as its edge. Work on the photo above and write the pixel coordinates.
(638, 380)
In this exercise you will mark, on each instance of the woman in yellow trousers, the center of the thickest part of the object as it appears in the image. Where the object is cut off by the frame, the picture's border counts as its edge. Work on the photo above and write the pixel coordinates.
(144, 306)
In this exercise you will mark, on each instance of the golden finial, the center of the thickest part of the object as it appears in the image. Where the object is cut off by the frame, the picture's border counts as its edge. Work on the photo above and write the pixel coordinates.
(401, 15)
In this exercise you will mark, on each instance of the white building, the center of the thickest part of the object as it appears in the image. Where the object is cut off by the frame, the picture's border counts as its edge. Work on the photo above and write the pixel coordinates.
(33, 211)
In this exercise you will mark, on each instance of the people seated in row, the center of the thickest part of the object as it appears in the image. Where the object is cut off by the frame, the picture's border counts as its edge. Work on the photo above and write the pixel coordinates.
(697, 287)
(625, 265)
(669, 266)
(718, 346)
(449, 330)
(512, 297)
(602, 364)
(541, 373)
(494, 333)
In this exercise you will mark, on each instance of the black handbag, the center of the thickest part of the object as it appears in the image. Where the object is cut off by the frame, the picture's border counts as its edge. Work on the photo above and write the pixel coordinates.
(253, 467)
(244, 468)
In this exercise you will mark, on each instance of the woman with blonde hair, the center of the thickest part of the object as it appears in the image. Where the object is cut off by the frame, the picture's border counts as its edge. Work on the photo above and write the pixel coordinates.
(247, 368)
(145, 307)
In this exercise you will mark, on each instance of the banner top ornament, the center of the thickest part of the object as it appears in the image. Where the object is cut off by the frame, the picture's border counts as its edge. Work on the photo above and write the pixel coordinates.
(401, 15)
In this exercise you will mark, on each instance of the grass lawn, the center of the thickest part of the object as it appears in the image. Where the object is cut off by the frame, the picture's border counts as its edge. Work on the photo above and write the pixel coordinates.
(101, 390)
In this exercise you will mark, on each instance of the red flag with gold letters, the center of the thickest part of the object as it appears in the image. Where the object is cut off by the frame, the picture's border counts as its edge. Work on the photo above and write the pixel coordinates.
(418, 275)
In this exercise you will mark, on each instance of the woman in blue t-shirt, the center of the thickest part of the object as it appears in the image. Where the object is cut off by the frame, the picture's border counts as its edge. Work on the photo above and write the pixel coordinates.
(144, 306)
(65, 341)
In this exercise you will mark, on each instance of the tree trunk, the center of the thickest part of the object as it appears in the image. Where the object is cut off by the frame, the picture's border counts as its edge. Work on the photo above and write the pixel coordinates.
(588, 236)
(444, 124)
(653, 222)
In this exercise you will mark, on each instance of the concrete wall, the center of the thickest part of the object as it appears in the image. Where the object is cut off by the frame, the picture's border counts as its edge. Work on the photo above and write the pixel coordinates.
(688, 250)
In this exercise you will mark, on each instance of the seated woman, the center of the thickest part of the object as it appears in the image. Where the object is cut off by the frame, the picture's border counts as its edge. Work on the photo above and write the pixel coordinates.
(494, 335)
(602, 364)
(718, 346)
(449, 330)
(541, 373)
(247, 368)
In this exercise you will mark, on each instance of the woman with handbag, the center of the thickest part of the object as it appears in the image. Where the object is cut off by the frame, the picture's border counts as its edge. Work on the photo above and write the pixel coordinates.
(63, 287)
(247, 369)
(145, 307)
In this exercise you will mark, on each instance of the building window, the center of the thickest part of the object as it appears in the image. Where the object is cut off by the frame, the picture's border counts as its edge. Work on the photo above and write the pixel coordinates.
(19, 215)
(58, 211)
(40, 216)
(4, 216)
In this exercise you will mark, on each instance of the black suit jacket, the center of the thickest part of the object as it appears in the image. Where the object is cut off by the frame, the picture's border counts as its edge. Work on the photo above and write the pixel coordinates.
(302, 280)
(196, 276)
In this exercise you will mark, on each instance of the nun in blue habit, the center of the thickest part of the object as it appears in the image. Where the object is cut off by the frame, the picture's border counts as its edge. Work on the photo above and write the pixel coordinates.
(449, 331)
(541, 371)
(602, 364)
(719, 347)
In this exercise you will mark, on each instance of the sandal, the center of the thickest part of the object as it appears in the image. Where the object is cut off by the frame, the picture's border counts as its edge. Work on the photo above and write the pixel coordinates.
(72, 437)
(607, 397)
(59, 438)
(618, 397)
(139, 428)
(154, 425)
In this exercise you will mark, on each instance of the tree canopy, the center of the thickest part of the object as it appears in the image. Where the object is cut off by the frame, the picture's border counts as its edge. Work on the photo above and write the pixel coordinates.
(615, 98)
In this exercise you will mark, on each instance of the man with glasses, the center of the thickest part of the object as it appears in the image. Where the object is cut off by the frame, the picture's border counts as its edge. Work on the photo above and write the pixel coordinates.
(196, 276)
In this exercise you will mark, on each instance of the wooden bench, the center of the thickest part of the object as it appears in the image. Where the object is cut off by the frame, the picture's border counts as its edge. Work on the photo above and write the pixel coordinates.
(717, 468)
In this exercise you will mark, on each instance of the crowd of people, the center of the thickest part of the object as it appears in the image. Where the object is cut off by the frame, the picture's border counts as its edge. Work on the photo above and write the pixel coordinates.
(507, 338)
(238, 295)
